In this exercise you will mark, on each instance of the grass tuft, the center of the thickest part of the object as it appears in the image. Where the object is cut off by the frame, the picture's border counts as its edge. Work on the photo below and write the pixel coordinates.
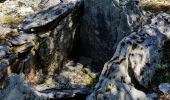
(157, 6)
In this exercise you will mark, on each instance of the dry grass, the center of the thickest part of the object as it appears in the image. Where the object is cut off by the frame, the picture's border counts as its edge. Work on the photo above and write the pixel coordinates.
(157, 6)
(8, 19)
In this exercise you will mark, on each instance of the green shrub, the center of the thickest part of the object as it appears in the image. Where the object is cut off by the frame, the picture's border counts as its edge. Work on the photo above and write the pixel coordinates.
(1, 1)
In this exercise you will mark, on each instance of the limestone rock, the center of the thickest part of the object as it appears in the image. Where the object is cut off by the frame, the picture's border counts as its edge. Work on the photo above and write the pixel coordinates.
(22, 49)
(55, 48)
(164, 87)
(4, 49)
(114, 90)
(22, 38)
(137, 55)
(50, 16)
(15, 87)
(12, 12)
(4, 63)
(41, 48)
(104, 26)
(152, 96)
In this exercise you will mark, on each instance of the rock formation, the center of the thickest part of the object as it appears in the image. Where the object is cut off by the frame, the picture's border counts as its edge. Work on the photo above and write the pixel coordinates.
(59, 23)
(37, 41)
(134, 62)
(104, 26)
(38, 50)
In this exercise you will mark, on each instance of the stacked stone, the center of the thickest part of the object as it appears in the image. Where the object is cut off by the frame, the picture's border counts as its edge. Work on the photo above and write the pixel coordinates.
(18, 52)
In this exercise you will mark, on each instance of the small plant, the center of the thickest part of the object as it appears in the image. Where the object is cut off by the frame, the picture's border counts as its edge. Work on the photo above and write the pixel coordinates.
(160, 67)
(8, 19)
(90, 82)
(91, 77)
(50, 82)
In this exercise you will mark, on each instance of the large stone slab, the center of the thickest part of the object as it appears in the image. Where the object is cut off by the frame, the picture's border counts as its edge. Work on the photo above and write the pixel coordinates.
(137, 57)
(50, 17)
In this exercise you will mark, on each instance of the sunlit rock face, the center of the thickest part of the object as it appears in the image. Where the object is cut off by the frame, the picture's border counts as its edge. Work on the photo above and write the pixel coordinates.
(70, 82)
(56, 47)
(37, 54)
(16, 88)
(136, 58)
(56, 27)
(48, 18)
(33, 52)
(104, 26)
(40, 52)
(115, 90)
(12, 13)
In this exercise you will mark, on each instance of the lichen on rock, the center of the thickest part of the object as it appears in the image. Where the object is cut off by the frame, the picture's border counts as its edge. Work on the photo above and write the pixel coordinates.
(136, 57)
(57, 50)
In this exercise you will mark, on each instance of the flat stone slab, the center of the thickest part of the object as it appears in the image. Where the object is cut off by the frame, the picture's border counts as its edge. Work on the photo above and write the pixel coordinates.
(48, 18)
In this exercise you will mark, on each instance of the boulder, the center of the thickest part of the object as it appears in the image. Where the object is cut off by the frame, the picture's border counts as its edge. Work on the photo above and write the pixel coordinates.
(137, 56)
(16, 88)
(115, 90)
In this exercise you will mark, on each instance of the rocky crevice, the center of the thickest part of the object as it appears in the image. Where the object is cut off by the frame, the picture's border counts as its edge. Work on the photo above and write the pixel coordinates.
(39, 51)
(104, 26)
(35, 61)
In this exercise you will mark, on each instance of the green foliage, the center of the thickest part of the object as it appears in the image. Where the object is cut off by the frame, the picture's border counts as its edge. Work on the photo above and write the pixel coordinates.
(1, 1)
(91, 80)
(160, 67)
(50, 83)
(162, 74)
(163, 69)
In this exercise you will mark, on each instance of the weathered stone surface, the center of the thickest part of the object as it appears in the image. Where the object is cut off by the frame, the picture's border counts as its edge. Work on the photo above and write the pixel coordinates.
(16, 88)
(55, 48)
(164, 87)
(13, 12)
(49, 18)
(74, 93)
(137, 56)
(22, 38)
(152, 96)
(4, 63)
(115, 90)
(41, 55)
(104, 26)
(75, 76)
(4, 49)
